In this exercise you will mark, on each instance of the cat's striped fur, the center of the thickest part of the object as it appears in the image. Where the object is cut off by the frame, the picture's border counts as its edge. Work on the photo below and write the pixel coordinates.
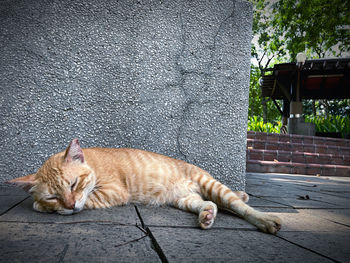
(102, 177)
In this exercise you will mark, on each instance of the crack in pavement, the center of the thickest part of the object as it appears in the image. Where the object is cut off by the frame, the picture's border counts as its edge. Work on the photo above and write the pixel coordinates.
(69, 223)
(131, 241)
(155, 245)
(63, 253)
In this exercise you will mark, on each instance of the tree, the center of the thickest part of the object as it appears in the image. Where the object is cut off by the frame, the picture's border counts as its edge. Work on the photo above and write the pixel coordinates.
(257, 102)
(266, 47)
(317, 27)
(268, 44)
(284, 28)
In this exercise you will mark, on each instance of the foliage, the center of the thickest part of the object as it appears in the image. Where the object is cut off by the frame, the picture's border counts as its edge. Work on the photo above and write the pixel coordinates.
(269, 44)
(284, 28)
(335, 123)
(315, 26)
(326, 107)
(339, 107)
(257, 124)
(256, 101)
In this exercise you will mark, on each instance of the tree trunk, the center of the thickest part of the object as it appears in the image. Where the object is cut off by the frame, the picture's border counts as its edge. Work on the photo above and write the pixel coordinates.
(264, 104)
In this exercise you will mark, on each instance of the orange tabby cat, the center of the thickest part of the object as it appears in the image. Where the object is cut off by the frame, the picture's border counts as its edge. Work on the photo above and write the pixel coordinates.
(100, 177)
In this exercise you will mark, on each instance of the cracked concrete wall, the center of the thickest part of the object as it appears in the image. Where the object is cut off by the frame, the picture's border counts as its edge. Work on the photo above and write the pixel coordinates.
(167, 76)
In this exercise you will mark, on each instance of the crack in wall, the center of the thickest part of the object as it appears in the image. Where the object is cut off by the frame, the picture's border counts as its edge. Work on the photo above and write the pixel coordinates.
(181, 86)
(189, 101)
(221, 26)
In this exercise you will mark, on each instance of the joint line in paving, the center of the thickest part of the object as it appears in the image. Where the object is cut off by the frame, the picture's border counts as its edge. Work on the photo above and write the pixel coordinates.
(308, 249)
(262, 198)
(335, 222)
(14, 206)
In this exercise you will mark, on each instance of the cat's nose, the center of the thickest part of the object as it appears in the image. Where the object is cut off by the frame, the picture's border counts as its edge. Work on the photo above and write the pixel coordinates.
(70, 204)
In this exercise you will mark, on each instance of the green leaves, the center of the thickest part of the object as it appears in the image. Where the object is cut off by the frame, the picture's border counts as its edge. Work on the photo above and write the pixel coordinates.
(331, 124)
(318, 27)
(256, 123)
(286, 27)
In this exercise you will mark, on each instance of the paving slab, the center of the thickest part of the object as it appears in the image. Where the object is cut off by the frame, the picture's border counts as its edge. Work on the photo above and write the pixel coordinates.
(314, 230)
(258, 202)
(339, 201)
(332, 244)
(264, 189)
(7, 202)
(273, 190)
(306, 220)
(337, 193)
(29, 242)
(300, 191)
(171, 217)
(330, 190)
(296, 180)
(298, 202)
(195, 245)
(122, 215)
(9, 197)
(7, 189)
(338, 216)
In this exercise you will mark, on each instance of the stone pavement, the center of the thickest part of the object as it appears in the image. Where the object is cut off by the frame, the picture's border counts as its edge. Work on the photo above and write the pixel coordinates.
(315, 212)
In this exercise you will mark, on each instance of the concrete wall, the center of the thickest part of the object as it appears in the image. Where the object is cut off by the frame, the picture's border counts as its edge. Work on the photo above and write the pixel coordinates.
(166, 76)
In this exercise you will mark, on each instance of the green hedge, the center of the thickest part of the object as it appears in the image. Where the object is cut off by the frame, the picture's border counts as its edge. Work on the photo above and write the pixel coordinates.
(322, 124)
(256, 123)
(331, 124)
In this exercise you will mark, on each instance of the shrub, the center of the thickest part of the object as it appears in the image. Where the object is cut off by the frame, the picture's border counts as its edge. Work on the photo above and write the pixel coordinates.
(331, 124)
(256, 123)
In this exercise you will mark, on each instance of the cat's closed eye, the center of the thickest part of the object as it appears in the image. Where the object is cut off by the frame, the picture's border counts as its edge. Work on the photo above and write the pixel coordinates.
(74, 184)
(52, 198)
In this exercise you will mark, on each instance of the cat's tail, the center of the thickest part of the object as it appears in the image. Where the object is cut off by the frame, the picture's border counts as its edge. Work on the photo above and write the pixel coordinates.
(235, 201)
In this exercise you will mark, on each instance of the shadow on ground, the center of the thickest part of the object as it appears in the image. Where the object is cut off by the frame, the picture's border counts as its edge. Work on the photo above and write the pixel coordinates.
(315, 212)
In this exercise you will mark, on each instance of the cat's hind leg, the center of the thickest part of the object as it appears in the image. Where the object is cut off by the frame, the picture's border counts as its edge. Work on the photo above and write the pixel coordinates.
(206, 210)
(235, 202)
(242, 195)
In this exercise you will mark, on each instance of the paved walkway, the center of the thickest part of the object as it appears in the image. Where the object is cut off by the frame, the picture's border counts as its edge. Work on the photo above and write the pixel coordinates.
(315, 211)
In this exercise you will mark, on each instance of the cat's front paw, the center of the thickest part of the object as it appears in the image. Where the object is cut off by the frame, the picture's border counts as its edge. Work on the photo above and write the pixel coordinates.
(207, 215)
(39, 208)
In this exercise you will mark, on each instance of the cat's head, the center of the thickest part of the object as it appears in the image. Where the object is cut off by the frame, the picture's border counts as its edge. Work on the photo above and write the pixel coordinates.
(62, 184)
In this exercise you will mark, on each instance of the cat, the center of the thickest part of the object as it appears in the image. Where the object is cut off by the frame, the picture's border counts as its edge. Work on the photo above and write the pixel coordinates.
(89, 178)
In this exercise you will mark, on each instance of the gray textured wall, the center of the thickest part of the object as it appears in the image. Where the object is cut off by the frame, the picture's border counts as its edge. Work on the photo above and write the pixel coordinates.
(170, 76)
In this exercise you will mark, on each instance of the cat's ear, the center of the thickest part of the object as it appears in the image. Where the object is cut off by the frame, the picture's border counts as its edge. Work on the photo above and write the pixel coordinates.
(26, 182)
(74, 152)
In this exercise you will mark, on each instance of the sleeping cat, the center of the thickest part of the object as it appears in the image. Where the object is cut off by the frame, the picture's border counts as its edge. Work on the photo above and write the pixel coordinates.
(89, 178)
